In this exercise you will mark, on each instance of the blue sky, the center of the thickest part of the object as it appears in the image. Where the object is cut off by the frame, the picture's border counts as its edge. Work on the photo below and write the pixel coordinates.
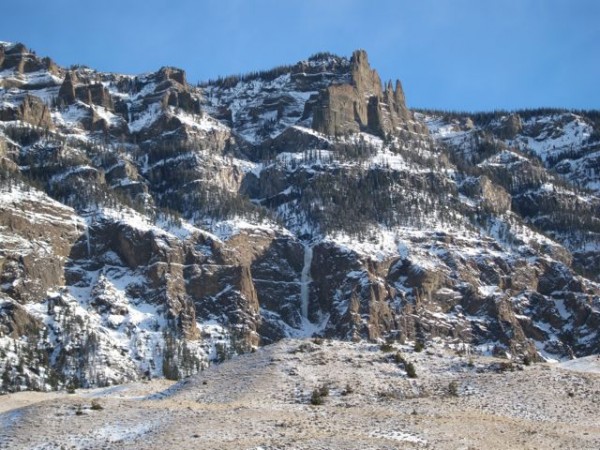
(449, 54)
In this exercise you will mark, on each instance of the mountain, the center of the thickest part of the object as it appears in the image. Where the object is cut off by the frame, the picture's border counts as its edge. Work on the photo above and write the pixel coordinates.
(149, 227)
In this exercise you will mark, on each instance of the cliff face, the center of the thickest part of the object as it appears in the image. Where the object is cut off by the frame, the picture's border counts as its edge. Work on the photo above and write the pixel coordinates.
(362, 105)
(149, 227)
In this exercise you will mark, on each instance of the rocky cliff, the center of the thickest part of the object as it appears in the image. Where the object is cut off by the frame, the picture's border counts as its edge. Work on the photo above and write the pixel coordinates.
(149, 227)
(363, 105)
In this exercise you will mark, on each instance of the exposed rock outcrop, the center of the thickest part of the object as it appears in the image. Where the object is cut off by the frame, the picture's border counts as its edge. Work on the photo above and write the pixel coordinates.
(31, 110)
(20, 59)
(510, 127)
(72, 89)
(494, 198)
(66, 94)
(16, 322)
(172, 90)
(172, 73)
(362, 105)
(188, 239)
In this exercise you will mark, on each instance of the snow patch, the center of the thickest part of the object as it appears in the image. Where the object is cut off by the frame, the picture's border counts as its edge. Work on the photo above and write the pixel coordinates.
(589, 364)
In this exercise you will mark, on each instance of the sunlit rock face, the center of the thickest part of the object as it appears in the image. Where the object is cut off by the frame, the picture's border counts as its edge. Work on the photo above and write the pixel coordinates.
(149, 227)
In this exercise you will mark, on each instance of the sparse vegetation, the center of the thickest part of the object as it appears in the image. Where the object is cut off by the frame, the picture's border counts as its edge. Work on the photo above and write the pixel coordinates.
(389, 394)
(318, 395)
(299, 405)
(453, 388)
(324, 390)
(411, 371)
(96, 406)
(347, 390)
(223, 352)
(386, 348)
(505, 366)
(399, 358)
(357, 185)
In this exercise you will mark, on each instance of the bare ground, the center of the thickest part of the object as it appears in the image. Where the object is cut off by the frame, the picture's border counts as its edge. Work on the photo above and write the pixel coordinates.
(262, 401)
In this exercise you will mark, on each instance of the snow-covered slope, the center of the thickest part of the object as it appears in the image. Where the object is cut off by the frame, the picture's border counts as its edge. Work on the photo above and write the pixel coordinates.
(262, 105)
(565, 142)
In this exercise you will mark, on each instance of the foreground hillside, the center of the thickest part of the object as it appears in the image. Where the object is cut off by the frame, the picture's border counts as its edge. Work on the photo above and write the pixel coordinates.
(149, 227)
(263, 401)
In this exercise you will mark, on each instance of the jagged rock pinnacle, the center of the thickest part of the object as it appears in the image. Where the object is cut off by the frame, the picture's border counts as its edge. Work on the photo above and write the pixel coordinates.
(362, 105)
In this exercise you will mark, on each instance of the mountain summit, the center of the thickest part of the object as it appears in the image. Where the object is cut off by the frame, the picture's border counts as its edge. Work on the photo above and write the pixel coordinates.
(149, 227)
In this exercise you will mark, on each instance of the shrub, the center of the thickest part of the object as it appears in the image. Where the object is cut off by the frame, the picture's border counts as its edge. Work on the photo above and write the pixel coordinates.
(323, 391)
(386, 347)
(348, 390)
(96, 406)
(419, 346)
(72, 385)
(316, 398)
(399, 358)
(453, 388)
(505, 366)
(411, 372)
(318, 395)
(305, 347)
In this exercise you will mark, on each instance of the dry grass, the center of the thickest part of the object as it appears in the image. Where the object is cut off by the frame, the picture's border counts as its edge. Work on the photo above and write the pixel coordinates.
(263, 400)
